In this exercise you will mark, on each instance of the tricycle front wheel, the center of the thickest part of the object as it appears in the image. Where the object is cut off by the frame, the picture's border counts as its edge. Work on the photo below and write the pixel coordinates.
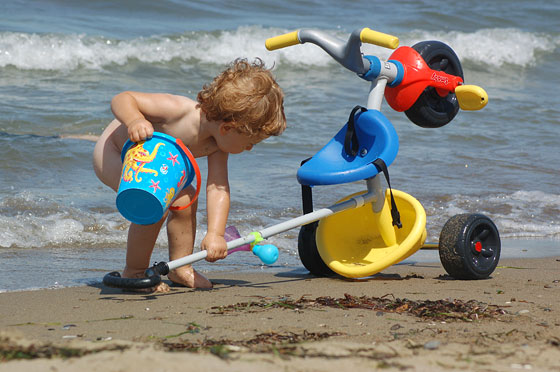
(430, 109)
(469, 246)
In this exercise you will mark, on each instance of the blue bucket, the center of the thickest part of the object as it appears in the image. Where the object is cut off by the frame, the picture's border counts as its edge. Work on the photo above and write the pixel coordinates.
(153, 173)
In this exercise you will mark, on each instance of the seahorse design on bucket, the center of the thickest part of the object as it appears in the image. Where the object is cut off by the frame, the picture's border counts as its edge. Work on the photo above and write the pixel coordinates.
(135, 160)
(169, 196)
(181, 179)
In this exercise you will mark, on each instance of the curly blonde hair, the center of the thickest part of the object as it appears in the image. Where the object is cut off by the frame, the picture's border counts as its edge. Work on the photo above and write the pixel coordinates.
(246, 96)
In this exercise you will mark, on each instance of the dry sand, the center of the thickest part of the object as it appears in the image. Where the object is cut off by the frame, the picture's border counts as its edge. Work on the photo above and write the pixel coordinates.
(409, 318)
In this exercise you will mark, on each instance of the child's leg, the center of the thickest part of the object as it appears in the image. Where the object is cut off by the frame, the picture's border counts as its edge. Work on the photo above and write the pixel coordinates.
(108, 166)
(139, 247)
(181, 232)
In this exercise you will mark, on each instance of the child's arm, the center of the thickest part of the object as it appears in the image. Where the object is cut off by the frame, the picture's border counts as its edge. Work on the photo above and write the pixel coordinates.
(217, 205)
(138, 111)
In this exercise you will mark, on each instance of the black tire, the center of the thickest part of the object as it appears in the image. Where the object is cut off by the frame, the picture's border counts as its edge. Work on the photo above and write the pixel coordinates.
(469, 246)
(308, 253)
(430, 109)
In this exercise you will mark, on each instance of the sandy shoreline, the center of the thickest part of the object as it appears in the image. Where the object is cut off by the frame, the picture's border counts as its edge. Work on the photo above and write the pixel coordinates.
(410, 317)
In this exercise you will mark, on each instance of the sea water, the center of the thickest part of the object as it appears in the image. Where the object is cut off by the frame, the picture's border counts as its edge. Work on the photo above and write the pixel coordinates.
(62, 61)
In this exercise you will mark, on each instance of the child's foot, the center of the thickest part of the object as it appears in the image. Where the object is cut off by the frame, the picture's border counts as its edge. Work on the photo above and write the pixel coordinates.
(189, 277)
(159, 288)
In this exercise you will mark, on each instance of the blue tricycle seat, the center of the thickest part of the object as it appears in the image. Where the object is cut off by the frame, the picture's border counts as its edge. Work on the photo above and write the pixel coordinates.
(331, 165)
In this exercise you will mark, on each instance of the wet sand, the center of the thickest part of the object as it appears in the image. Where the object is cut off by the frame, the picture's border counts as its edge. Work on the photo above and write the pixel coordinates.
(411, 317)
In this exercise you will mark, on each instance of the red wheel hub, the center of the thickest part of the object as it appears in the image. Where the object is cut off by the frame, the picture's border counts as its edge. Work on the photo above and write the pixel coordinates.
(478, 247)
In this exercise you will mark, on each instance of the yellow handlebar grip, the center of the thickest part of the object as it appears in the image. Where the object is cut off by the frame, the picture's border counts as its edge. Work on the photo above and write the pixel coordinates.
(282, 41)
(378, 38)
(471, 97)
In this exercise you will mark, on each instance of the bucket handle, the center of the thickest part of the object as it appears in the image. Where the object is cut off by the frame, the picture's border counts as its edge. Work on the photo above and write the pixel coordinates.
(196, 171)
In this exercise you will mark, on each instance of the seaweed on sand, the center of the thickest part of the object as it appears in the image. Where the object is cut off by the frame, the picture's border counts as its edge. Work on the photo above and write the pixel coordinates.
(437, 310)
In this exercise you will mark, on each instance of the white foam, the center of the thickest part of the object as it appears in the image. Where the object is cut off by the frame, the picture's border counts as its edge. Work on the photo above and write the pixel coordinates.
(522, 214)
(72, 51)
(531, 215)
(495, 47)
(34, 222)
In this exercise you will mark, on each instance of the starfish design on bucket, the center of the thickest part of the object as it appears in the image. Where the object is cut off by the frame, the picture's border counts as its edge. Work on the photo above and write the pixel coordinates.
(155, 186)
(173, 158)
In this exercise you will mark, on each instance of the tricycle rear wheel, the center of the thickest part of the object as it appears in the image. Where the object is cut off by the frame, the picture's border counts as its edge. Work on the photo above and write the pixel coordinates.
(469, 246)
(308, 253)
(430, 109)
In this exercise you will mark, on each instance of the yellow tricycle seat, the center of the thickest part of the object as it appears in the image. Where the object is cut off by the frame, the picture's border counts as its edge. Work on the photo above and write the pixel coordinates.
(359, 242)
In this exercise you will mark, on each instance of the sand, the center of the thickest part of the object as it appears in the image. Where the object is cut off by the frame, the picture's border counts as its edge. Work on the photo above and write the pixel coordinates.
(408, 318)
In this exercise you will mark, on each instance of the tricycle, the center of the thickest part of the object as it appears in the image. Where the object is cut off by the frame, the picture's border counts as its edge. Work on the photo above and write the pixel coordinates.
(368, 231)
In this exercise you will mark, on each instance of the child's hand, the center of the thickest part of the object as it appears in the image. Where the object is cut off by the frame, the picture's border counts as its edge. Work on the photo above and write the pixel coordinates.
(215, 245)
(140, 129)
